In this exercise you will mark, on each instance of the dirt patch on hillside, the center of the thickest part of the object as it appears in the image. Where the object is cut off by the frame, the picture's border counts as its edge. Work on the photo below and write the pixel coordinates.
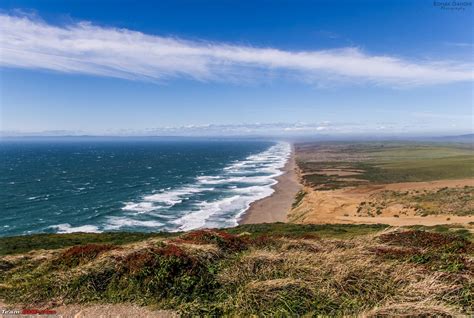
(389, 204)
(89, 311)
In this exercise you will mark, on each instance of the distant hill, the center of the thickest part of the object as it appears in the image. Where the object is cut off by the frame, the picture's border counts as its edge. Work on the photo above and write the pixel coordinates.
(459, 138)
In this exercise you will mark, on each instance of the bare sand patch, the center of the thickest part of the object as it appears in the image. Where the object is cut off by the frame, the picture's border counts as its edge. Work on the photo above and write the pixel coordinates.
(341, 205)
(113, 311)
(429, 220)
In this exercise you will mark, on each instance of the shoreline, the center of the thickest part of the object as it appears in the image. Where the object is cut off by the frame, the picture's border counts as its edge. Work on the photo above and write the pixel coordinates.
(276, 206)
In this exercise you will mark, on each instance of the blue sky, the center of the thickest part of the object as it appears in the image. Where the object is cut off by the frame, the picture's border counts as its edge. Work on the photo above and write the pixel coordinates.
(236, 67)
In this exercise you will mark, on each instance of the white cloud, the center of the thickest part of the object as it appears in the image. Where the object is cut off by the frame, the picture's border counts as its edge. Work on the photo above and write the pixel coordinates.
(460, 44)
(256, 129)
(26, 42)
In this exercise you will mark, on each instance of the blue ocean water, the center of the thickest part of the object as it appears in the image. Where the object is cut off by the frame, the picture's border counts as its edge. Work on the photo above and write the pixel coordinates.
(93, 185)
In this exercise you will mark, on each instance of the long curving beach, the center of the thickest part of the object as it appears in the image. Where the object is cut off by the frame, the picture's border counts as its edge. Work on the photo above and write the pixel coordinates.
(275, 207)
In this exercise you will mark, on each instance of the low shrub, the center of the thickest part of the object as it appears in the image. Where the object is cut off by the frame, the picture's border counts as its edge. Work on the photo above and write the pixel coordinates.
(225, 241)
(423, 239)
(81, 254)
(435, 251)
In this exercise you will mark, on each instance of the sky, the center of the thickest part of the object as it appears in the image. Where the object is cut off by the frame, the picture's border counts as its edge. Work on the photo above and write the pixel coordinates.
(236, 67)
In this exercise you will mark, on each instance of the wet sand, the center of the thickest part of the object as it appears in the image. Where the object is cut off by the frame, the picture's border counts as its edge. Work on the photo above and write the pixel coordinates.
(275, 207)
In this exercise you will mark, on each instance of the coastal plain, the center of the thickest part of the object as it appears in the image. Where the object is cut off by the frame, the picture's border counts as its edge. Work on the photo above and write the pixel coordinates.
(390, 183)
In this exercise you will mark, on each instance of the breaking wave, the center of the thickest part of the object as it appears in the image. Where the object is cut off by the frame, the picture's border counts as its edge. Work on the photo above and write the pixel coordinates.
(210, 200)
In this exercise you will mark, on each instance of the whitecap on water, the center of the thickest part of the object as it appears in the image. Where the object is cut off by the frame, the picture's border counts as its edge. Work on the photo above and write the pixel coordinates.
(163, 199)
(67, 228)
(117, 222)
(238, 185)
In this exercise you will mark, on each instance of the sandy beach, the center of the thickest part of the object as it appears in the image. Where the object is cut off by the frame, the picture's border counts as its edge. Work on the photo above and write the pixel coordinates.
(275, 207)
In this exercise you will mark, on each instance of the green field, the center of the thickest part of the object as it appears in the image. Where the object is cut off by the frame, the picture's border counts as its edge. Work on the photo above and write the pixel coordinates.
(383, 163)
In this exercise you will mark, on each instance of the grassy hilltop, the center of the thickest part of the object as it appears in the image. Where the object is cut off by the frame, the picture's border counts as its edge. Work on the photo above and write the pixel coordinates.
(264, 270)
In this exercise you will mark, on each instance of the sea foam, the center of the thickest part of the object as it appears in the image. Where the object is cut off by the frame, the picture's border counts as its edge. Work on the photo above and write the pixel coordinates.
(67, 228)
(232, 191)
(116, 222)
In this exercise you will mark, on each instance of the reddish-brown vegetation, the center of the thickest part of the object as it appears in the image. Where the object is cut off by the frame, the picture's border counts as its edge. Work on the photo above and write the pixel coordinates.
(138, 260)
(83, 253)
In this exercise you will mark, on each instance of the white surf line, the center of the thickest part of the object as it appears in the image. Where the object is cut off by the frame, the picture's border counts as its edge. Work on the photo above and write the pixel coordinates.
(274, 160)
(237, 200)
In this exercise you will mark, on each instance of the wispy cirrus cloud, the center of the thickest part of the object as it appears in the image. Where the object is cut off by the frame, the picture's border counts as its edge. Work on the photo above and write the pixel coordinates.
(460, 44)
(85, 48)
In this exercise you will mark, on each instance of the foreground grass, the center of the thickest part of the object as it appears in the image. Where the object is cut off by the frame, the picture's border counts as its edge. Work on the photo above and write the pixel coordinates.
(264, 270)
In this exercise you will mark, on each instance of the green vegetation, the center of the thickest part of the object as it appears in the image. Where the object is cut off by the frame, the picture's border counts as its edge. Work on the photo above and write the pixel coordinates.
(261, 270)
(377, 163)
(331, 182)
(298, 197)
(26, 243)
(453, 201)
(337, 231)
(443, 252)
(415, 170)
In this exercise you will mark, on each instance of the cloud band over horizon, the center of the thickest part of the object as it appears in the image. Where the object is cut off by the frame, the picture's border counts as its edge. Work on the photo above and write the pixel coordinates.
(84, 48)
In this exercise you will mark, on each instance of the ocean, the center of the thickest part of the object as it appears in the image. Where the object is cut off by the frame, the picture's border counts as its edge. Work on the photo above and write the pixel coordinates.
(66, 185)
